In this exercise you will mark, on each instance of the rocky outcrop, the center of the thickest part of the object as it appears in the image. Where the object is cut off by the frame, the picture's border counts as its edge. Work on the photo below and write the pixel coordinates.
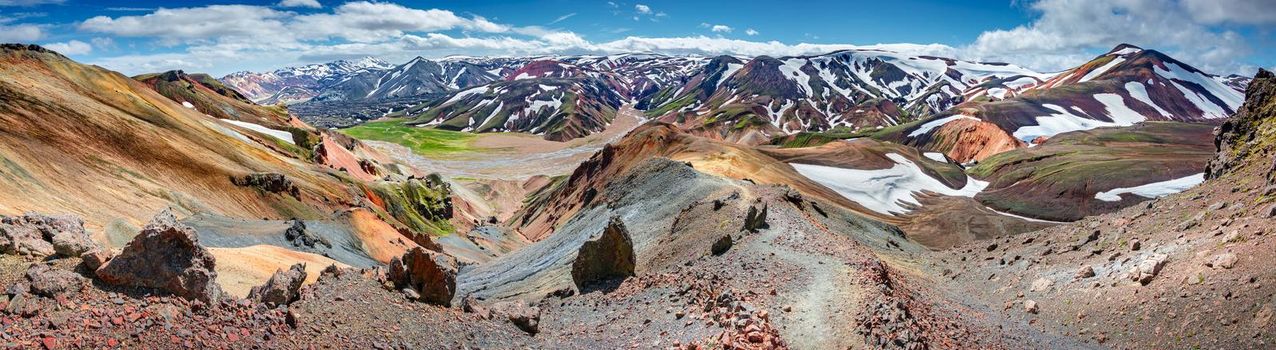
(40, 235)
(165, 255)
(610, 256)
(432, 275)
(755, 219)
(283, 288)
(267, 182)
(300, 237)
(1233, 139)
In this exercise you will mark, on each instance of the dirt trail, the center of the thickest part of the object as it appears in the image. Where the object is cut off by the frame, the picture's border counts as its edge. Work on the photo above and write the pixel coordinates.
(824, 306)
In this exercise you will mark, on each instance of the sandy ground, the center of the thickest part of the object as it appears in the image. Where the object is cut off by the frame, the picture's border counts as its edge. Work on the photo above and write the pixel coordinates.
(517, 156)
(240, 269)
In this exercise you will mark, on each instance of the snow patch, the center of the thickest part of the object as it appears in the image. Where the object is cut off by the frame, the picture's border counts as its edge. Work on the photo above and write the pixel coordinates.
(1063, 121)
(926, 128)
(279, 134)
(1153, 190)
(936, 156)
(188, 105)
(887, 190)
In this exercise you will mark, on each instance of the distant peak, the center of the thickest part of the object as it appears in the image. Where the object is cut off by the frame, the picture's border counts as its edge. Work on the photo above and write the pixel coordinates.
(1125, 48)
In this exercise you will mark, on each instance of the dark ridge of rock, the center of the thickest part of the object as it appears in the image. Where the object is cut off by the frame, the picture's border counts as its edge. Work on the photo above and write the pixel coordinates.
(755, 220)
(165, 255)
(267, 182)
(42, 235)
(283, 288)
(430, 273)
(608, 257)
(300, 237)
(49, 281)
(1232, 140)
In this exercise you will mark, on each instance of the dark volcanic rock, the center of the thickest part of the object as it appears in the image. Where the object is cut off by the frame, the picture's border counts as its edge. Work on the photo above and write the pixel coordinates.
(755, 220)
(300, 237)
(610, 256)
(267, 182)
(283, 287)
(721, 245)
(1232, 139)
(40, 235)
(430, 273)
(165, 255)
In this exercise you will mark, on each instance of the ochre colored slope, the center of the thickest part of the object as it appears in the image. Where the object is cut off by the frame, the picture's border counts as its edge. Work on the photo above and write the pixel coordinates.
(80, 139)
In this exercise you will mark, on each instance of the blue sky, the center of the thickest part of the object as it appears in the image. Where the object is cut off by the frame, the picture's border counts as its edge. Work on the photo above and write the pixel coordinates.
(1222, 36)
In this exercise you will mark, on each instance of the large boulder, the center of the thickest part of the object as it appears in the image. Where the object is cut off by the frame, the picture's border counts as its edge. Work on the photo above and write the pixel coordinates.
(431, 274)
(608, 257)
(40, 235)
(165, 255)
(283, 288)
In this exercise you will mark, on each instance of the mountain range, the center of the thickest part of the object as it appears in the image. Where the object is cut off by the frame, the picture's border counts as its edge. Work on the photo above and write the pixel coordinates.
(854, 199)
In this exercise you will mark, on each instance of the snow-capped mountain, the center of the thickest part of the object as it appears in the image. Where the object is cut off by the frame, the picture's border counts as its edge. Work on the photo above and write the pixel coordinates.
(296, 84)
(416, 77)
(559, 109)
(1122, 87)
(851, 88)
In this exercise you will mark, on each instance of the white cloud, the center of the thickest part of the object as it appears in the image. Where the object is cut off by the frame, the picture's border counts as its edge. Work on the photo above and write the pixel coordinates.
(1069, 32)
(301, 3)
(103, 42)
(1232, 11)
(200, 23)
(21, 33)
(718, 28)
(368, 21)
(642, 9)
(562, 18)
(73, 47)
(29, 2)
(750, 32)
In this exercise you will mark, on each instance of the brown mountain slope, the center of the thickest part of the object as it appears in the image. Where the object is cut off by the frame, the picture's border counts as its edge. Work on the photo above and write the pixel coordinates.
(211, 97)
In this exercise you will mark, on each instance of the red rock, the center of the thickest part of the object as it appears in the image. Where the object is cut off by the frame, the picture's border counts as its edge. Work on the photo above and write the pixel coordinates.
(112, 342)
(49, 343)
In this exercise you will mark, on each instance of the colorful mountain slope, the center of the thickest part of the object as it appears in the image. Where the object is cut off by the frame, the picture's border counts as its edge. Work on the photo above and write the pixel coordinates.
(1073, 175)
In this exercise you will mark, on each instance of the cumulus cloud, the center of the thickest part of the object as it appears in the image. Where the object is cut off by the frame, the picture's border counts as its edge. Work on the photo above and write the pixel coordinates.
(719, 28)
(73, 47)
(200, 23)
(20, 33)
(750, 32)
(1069, 32)
(300, 3)
(1232, 11)
(642, 9)
(369, 21)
